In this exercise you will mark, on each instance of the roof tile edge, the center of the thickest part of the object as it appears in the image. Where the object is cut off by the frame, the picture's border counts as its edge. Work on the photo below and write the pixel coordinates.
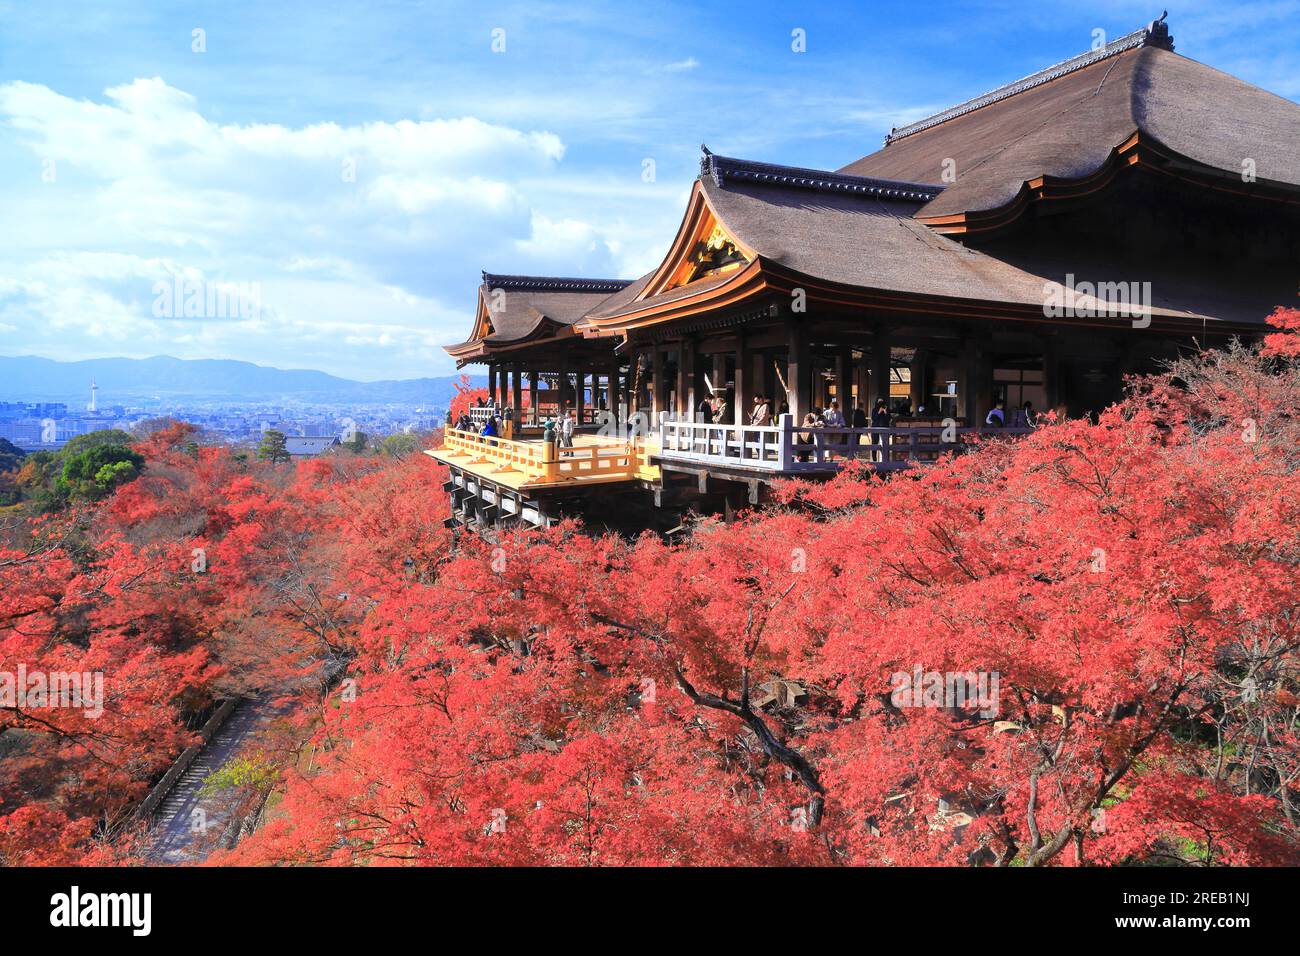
(553, 283)
(1154, 34)
(721, 169)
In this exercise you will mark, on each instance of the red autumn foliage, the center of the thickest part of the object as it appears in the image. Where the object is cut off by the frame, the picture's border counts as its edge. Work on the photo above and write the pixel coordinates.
(466, 398)
(1285, 344)
(558, 698)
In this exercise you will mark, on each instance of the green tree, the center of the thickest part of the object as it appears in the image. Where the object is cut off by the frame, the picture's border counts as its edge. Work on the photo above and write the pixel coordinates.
(400, 445)
(256, 774)
(273, 447)
(11, 456)
(105, 436)
(94, 471)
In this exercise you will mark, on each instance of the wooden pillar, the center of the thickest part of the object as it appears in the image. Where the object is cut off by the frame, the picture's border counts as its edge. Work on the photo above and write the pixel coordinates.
(798, 376)
(920, 369)
(844, 380)
(880, 367)
(492, 382)
(863, 373)
(744, 388)
(613, 384)
(719, 374)
(580, 392)
(685, 367)
(532, 394)
(977, 376)
(659, 396)
(517, 390)
(562, 389)
(1053, 393)
(694, 386)
(759, 379)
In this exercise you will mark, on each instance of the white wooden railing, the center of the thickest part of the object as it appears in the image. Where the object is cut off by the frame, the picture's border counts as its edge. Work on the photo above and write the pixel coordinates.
(783, 447)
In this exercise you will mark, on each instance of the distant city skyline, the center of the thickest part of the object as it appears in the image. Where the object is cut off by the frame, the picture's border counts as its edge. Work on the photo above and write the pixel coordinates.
(309, 188)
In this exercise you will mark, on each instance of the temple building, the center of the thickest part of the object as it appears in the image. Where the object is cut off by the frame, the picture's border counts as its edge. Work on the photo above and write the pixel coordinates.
(1034, 244)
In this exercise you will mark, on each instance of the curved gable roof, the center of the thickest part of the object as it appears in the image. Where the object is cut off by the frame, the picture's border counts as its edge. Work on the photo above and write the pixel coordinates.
(514, 309)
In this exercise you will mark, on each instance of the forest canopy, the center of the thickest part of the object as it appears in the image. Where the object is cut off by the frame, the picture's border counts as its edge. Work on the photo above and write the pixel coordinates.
(1123, 594)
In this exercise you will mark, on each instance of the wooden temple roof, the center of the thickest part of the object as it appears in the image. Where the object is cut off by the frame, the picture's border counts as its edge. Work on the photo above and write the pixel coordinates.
(879, 233)
(1133, 100)
(516, 310)
(861, 244)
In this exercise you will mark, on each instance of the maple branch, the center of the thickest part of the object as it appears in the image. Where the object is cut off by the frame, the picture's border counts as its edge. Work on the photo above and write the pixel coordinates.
(792, 758)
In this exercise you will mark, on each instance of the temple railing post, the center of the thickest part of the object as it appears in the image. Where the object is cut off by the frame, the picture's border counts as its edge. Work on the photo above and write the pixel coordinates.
(785, 451)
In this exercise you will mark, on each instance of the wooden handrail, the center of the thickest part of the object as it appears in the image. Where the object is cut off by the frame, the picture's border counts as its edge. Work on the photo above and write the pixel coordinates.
(783, 448)
(546, 461)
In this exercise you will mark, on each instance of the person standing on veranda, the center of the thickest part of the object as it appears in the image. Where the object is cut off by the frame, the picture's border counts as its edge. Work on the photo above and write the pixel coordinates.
(567, 425)
(834, 418)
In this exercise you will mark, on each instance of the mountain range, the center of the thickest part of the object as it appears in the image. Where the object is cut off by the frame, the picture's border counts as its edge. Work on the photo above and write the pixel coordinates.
(130, 381)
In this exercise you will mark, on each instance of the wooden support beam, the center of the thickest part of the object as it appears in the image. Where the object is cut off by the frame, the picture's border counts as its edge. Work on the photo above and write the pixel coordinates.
(862, 372)
(920, 372)
(744, 391)
(659, 395)
(614, 390)
(977, 376)
(563, 383)
(580, 392)
(844, 380)
(1053, 394)
(798, 376)
(880, 367)
(683, 384)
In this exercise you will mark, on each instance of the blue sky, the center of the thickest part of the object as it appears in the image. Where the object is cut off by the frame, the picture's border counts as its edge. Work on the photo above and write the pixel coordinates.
(360, 163)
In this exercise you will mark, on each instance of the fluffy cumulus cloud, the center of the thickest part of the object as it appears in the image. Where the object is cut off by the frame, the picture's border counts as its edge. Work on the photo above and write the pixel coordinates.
(360, 242)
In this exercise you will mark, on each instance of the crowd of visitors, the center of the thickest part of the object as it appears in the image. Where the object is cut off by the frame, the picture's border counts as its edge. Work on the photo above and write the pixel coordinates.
(816, 428)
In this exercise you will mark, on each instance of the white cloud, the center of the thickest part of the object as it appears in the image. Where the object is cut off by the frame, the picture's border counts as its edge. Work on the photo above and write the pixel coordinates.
(681, 66)
(351, 232)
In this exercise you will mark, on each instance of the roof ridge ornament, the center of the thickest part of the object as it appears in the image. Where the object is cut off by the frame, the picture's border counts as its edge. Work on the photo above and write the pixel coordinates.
(706, 162)
(1155, 34)
(725, 169)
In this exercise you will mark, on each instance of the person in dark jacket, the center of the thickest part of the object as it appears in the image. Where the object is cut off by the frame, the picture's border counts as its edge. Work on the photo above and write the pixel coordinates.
(1025, 417)
(706, 409)
(859, 419)
(880, 419)
(997, 417)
